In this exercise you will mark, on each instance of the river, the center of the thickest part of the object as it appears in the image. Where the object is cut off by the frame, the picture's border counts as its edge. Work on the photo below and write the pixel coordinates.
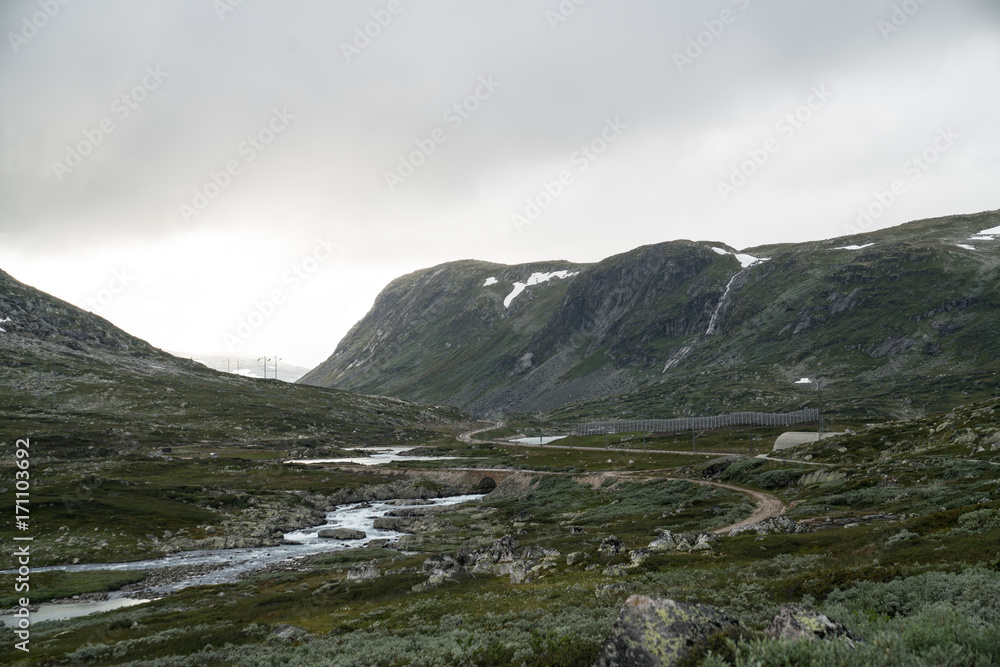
(376, 457)
(234, 563)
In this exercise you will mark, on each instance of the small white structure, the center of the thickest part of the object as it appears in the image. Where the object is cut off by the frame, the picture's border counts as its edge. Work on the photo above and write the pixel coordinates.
(796, 438)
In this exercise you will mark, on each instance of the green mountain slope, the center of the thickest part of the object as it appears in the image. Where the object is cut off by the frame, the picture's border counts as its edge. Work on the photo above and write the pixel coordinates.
(908, 318)
(78, 385)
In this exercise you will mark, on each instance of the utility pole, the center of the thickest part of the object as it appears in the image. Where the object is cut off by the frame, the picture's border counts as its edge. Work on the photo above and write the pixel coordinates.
(819, 391)
(694, 435)
(276, 359)
(265, 360)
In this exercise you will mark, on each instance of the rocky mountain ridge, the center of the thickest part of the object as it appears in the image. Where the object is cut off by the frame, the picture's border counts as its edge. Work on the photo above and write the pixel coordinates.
(686, 327)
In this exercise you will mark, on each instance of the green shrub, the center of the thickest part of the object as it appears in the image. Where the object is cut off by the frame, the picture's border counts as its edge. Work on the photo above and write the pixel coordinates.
(901, 536)
(737, 471)
(940, 636)
(978, 521)
(975, 590)
(779, 479)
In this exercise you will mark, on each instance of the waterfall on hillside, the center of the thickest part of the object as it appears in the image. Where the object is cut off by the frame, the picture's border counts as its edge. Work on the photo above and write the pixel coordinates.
(712, 326)
(677, 358)
(722, 302)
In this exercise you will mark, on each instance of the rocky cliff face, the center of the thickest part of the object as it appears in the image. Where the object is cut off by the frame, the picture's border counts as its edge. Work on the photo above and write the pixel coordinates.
(691, 325)
(464, 334)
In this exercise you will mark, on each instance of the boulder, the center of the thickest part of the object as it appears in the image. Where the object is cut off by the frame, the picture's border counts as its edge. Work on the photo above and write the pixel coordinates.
(611, 546)
(656, 632)
(380, 543)
(441, 578)
(776, 524)
(343, 534)
(638, 557)
(401, 524)
(363, 573)
(575, 557)
(467, 557)
(795, 621)
(702, 544)
(286, 634)
(502, 550)
(668, 541)
(538, 553)
(439, 564)
(432, 583)
(496, 559)
(665, 542)
(521, 572)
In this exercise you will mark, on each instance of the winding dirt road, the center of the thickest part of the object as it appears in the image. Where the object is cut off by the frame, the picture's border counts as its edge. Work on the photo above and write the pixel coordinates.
(767, 505)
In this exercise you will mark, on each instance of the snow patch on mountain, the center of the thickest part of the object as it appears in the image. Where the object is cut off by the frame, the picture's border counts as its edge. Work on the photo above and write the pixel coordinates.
(490, 281)
(855, 247)
(4, 321)
(986, 235)
(535, 279)
(746, 261)
(967, 247)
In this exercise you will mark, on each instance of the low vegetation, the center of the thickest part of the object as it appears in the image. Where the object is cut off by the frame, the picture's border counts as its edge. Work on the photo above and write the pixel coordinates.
(904, 549)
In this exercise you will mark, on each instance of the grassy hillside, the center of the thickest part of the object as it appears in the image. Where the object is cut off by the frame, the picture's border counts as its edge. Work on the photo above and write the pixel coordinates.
(76, 383)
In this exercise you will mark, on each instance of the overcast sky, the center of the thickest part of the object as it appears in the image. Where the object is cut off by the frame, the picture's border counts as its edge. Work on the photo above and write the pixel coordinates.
(175, 165)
